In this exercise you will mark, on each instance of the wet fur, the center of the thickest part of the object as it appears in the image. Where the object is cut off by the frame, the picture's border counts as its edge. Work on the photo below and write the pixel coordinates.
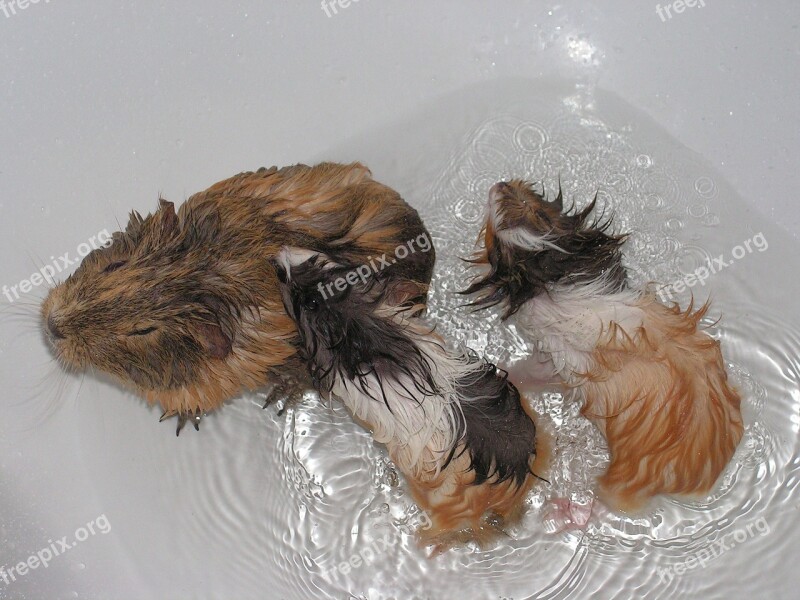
(185, 308)
(651, 379)
(530, 244)
(453, 424)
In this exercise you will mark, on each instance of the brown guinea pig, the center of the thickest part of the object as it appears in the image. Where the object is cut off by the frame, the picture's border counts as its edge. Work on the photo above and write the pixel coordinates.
(185, 307)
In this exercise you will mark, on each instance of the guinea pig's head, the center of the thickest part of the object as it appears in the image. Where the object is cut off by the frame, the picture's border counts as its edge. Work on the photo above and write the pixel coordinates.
(530, 243)
(345, 325)
(143, 309)
(521, 216)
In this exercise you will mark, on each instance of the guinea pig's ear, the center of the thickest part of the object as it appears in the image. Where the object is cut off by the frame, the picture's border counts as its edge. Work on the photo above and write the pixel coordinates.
(209, 334)
(213, 340)
(165, 221)
(158, 228)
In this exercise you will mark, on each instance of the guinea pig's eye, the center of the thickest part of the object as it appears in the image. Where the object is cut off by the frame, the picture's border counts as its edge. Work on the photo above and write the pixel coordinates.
(310, 304)
(144, 331)
(114, 266)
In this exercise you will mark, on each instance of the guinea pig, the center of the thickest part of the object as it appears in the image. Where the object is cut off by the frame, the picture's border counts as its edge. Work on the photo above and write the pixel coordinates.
(651, 380)
(453, 423)
(184, 307)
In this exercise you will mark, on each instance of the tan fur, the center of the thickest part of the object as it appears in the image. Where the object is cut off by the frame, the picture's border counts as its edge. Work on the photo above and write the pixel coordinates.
(461, 511)
(661, 398)
(248, 218)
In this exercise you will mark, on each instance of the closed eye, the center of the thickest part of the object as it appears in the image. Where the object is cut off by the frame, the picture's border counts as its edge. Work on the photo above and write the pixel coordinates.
(114, 266)
(144, 331)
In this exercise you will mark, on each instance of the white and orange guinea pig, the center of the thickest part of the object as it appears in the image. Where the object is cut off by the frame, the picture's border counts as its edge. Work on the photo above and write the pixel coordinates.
(651, 380)
(453, 424)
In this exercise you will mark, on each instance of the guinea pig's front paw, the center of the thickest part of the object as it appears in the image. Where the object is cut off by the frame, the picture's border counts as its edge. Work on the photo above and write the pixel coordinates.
(193, 417)
(288, 390)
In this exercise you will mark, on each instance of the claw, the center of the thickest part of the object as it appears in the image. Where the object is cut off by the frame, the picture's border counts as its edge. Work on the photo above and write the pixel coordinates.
(194, 417)
(278, 391)
(183, 418)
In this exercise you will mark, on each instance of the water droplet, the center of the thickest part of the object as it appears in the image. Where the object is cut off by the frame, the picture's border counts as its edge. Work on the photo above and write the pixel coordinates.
(530, 137)
(705, 187)
(697, 210)
(673, 224)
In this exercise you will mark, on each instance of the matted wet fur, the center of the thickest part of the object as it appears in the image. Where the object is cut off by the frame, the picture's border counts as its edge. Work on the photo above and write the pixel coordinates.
(185, 308)
(453, 423)
(523, 256)
(651, 380)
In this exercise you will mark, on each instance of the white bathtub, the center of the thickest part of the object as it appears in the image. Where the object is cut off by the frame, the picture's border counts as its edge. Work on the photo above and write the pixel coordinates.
(107, 105)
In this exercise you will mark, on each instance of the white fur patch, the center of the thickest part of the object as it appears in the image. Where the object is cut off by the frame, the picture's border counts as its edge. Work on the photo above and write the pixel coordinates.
(290, 256)
(568, 322)
(527, 240)
(419, 430)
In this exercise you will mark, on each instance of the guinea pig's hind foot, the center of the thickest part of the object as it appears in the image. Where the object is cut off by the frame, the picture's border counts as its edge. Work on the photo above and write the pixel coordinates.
(563, 514)
(183, 418)
(287, 391)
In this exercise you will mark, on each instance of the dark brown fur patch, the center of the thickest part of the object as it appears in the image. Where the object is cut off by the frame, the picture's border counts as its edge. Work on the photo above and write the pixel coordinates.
(586, 250)
(343, 338)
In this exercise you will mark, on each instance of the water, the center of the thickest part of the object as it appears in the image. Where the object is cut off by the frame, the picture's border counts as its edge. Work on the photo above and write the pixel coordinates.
(282, 503)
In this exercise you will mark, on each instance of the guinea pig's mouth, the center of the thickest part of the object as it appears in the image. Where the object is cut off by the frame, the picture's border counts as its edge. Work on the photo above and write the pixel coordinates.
(66, 351)
(69, 355)
(498, 195)
(54, 332)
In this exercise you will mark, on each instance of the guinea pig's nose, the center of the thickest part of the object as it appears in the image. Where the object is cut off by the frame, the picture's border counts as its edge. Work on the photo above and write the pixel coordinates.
(53, 329)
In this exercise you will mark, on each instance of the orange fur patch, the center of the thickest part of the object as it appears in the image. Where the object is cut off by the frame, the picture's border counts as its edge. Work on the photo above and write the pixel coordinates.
(662, 399)
(459, 510)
